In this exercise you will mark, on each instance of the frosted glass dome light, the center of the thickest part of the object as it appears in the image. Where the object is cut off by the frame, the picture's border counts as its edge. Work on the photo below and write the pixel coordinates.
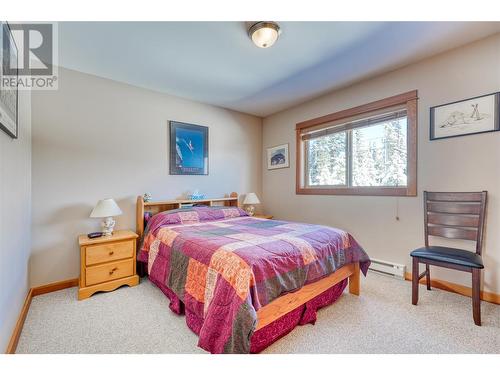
(264, 34)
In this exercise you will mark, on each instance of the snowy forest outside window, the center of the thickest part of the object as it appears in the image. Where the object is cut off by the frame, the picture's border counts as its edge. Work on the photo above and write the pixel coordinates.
(367, 150)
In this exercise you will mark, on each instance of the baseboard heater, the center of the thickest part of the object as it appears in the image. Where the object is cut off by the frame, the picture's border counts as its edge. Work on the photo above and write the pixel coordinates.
(388, 268)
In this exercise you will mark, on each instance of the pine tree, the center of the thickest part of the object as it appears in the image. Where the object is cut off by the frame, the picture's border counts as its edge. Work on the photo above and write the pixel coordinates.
(327, 160)
(395, 154)
(364, 160)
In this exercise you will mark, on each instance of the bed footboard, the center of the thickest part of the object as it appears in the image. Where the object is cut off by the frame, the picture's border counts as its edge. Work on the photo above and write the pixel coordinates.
(291, 301)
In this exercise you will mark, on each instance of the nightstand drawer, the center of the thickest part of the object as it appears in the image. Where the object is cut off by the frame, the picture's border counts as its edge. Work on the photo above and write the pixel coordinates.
(109, 271)
(108, 252)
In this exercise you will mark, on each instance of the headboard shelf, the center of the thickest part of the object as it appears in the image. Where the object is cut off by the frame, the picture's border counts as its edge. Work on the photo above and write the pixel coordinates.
(155, 207)
(208, 201)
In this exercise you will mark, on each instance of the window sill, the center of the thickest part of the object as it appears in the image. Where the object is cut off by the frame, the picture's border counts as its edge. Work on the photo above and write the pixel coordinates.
(368, 191)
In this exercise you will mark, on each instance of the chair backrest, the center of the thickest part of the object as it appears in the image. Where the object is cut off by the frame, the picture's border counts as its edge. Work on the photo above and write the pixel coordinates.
(455, 215)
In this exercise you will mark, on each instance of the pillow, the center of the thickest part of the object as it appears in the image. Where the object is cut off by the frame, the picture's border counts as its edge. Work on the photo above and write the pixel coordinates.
(190, 215)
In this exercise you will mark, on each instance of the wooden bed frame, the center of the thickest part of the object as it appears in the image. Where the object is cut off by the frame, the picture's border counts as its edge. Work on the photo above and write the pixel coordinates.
(282, 305)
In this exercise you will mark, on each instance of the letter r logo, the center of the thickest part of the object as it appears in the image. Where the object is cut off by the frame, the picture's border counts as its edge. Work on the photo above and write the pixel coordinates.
(35, 50)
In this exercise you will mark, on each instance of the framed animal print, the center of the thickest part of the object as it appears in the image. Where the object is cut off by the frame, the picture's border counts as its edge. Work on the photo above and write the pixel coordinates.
(277, 157)
(470, 116)
(8, 93)
(188, 149)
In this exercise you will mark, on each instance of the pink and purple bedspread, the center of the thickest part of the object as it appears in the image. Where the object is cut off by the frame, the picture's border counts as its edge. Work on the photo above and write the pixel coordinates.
(222, 266)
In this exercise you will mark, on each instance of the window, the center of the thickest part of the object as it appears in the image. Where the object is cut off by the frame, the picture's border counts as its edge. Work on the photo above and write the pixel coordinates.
(367, 150)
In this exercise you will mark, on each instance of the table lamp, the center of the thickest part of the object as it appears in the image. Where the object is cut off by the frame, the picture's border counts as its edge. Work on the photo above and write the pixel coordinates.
(250, 200)
(106, 208)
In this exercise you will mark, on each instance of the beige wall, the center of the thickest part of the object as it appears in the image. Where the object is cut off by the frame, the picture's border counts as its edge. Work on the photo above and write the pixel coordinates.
(463, 163)
(95, 138)
(15, 219)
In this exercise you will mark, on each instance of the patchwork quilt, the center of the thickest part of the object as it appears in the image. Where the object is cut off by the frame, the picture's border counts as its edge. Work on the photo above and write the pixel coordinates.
(225, 265)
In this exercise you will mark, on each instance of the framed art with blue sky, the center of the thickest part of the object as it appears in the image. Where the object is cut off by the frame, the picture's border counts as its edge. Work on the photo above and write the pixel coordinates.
(188, 149)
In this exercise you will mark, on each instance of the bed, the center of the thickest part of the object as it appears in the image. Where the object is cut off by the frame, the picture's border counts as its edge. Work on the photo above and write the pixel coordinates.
(243, 282)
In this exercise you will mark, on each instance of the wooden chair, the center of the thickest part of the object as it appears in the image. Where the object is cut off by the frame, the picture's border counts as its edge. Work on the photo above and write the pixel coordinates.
(456, 216)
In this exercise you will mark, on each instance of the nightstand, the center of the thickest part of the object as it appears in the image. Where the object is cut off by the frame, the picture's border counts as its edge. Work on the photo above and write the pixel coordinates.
(262, 216)
(107, 262)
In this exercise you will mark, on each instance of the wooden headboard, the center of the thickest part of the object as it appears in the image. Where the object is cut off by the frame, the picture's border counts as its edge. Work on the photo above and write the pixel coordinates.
(159, 206)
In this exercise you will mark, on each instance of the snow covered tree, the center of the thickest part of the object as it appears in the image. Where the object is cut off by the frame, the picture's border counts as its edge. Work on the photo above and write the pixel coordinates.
(364, 156)
(327, 160)
(395, 159)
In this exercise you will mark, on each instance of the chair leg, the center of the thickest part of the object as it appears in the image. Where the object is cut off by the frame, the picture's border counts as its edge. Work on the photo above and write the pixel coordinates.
(428, 276)
(476, 299)
(414, 281)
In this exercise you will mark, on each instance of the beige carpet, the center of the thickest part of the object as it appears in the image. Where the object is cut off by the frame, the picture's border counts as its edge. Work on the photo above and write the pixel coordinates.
(381, 320)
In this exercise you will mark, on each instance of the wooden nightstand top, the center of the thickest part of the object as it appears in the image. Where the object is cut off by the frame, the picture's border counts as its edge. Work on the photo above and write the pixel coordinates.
(262, 216)
(117, 235)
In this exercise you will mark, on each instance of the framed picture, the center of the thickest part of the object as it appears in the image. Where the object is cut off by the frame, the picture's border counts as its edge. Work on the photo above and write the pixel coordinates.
(188, 149)
(8, 95)
(277, 157)
(470, 116)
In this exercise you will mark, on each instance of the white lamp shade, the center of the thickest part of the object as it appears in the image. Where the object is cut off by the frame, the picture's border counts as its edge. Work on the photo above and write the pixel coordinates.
(106, 208)
(251, 198)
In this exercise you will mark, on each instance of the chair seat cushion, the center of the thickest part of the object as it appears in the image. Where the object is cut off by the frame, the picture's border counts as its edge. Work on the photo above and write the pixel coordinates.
(449, 255)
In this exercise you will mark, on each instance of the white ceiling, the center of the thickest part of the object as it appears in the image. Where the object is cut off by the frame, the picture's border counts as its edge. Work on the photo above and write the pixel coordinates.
(216, 62)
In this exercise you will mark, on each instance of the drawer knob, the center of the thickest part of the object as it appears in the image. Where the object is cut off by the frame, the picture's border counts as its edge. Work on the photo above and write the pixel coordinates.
(113, 270)
(111, 252)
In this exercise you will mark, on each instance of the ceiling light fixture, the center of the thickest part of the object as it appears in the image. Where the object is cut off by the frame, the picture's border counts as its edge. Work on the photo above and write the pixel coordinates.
(264, 34)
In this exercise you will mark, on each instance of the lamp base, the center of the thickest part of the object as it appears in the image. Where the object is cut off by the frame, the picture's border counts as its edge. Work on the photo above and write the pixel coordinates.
(108, 225)
(250, 210)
